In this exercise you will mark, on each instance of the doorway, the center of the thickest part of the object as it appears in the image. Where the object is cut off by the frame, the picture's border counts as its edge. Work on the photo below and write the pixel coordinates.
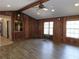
(5, 30)
(0, 27)
(5, 27)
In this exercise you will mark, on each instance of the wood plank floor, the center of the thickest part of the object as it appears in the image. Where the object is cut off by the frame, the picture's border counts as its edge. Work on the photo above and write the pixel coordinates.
(4, 41)
(38, 49)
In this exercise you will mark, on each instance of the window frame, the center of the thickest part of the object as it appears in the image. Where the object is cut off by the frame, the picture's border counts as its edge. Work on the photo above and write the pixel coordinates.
(71, 28)
(48, 28)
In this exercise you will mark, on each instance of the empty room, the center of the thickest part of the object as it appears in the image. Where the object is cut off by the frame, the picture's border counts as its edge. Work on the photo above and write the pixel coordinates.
(39, 29)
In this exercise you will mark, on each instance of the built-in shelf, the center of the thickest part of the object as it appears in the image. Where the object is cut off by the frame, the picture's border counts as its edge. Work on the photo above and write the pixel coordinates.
(18, 23)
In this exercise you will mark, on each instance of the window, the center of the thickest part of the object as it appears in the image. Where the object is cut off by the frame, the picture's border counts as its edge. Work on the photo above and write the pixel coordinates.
(48, 28)
(72, 29)
(51, 28)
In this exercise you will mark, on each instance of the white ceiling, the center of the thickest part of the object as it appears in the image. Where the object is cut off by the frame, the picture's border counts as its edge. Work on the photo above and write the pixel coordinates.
(15, 4)
(62, 8)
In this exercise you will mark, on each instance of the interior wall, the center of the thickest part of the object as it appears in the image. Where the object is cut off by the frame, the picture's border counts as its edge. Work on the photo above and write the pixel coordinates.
(59, 29)
(30, 26)
(4, 26)
(66, 39)
(34, 28)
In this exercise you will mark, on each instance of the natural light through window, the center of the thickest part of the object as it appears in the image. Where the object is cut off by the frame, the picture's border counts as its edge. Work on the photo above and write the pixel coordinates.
(72, 29)
(48, 28)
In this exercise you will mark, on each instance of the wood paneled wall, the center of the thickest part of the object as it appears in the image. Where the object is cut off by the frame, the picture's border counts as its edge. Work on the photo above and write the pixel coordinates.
(66, 39)
(34, 28)
(29, 26)
(57, 35)
(8, 13)
(59, 29)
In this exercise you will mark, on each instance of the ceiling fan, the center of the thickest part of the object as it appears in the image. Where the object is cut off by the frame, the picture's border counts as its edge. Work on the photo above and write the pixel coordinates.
(41, 7)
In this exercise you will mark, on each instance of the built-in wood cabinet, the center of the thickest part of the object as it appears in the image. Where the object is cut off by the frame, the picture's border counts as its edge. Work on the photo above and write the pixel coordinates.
(18, 26)
(25, 27)
(18, 23)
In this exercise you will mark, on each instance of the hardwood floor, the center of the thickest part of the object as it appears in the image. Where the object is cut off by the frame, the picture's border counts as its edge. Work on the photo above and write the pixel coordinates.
(4, 41)
(38, 49)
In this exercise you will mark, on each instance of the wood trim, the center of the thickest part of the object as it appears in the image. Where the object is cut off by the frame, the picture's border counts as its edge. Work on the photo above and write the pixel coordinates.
(69, 17)
(32, 5)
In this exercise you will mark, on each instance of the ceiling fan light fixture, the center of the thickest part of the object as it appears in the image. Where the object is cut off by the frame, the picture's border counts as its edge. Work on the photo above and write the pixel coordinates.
(45, 9)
